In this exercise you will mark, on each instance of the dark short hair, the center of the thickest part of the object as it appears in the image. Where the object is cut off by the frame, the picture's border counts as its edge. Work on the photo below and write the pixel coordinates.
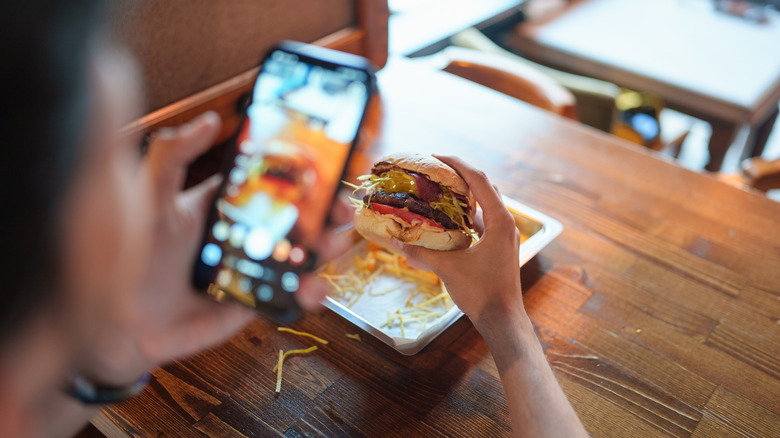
(44, 93)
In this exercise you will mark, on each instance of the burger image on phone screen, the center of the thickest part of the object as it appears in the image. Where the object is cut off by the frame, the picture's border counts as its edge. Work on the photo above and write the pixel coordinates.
(282, 171)
(418, 200)
(290, 176)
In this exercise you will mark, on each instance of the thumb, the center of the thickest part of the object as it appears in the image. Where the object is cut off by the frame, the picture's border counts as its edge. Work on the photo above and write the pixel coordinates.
(418, 256)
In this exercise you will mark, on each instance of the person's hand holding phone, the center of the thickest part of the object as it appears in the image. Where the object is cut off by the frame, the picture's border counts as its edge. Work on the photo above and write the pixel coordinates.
(167, 319)
(282, 171)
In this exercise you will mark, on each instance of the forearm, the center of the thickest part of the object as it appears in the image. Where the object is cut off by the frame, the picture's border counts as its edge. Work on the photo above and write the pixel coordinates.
(537, 405)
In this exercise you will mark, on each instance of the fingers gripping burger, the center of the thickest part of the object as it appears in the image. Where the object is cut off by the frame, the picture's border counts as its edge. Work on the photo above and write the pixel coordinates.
(415, 199)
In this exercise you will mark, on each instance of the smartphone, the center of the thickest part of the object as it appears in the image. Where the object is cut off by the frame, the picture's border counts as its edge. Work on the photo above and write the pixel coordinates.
(282, 172)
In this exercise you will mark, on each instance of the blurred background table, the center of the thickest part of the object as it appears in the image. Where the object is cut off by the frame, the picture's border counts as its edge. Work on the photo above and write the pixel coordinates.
(720, 68)
(658, 309)
(423, 26)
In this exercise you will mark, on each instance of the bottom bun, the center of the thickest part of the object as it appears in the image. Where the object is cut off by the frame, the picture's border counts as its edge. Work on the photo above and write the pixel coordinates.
(380, 228)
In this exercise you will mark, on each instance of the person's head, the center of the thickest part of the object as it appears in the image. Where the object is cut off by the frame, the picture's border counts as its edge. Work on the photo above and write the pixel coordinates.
(44, 89)
(74, 228)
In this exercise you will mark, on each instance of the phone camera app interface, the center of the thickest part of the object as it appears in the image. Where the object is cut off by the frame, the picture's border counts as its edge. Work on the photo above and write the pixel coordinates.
(290, 156)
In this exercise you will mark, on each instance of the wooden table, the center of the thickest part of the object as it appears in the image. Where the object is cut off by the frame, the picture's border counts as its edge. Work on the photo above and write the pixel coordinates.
(716, 67)
(657, 306)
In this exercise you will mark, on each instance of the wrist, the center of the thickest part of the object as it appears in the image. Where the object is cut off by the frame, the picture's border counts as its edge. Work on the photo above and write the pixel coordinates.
(498, 315)
(509, 334)
(506, 327)
(112, 365)
(94, 393)
(119, 363)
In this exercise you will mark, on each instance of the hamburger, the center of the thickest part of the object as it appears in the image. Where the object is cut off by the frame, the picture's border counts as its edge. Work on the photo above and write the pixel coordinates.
(293, 174)
(283, 173)
(415, 199)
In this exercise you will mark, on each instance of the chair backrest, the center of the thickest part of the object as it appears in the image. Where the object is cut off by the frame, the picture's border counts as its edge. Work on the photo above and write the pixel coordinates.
(761, 174)
(511, 78)
(197, 55)
(595, 98)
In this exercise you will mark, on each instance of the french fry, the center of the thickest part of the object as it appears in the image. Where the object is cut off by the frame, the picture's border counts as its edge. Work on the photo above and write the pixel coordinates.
(353, 300)
(375, 274)
(386, 257)
(280, 364)
(425, 315)
(390, 319)
(300, 333)
(419, 276)
(434, 299)
(384, 292)
(330, 280)
(278, 370)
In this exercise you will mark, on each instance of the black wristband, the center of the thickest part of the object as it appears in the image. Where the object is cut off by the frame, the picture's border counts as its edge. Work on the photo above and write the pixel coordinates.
(91, 393)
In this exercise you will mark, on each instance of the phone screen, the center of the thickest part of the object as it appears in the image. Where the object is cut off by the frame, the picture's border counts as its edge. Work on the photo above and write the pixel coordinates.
(289, 158)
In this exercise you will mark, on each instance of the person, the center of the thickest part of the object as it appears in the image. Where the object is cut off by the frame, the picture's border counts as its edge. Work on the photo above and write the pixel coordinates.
(98, 240)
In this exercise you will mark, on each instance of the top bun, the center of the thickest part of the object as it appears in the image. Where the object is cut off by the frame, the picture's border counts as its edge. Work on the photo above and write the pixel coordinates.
(432, 168)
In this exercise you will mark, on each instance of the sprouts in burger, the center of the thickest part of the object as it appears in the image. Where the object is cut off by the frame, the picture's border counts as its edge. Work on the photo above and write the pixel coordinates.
(415, 199)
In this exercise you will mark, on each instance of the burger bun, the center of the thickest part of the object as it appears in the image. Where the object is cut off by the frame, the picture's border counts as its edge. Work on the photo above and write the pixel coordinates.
(381, 228)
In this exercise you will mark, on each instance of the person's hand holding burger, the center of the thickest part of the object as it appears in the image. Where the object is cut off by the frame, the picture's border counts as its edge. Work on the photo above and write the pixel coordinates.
(483, 278)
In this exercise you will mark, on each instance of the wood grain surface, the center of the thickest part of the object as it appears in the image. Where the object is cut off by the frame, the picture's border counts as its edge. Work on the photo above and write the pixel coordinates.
(657, 306)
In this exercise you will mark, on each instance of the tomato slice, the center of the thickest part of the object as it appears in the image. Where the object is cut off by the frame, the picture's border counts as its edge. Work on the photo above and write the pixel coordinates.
(404, 214)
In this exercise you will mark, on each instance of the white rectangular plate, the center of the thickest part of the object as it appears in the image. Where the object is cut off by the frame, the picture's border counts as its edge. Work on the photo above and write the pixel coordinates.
(370, 312)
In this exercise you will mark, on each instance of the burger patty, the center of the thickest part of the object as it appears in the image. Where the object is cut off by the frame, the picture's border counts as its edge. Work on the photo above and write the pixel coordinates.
(403, 199)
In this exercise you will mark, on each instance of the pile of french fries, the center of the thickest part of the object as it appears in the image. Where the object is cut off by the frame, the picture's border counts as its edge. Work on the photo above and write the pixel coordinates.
(427, 298)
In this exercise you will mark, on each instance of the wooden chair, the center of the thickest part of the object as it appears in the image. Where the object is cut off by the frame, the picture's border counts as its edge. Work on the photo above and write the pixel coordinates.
(511, 78)
(762, 174)
(756, 173)
(595, 99)
(197, 55)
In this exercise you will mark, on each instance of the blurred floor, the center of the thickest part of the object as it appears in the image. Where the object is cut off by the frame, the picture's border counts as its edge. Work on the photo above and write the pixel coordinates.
(694, 151)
